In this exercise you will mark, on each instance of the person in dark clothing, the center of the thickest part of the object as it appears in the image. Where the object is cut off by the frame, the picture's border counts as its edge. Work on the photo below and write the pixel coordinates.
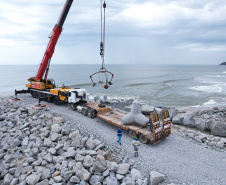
(119, 134)
(150, 125)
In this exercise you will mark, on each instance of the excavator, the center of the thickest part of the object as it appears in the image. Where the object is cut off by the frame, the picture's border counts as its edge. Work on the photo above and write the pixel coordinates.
(42, 87)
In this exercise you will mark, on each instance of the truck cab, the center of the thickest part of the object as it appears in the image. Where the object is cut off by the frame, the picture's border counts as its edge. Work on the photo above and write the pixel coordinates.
(77, 95)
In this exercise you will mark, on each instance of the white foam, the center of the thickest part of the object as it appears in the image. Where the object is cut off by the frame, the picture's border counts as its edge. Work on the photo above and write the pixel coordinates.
(208, 89)
(210, 102)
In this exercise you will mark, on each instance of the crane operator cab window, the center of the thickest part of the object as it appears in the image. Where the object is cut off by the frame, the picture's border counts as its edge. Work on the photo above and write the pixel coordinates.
(52, 82)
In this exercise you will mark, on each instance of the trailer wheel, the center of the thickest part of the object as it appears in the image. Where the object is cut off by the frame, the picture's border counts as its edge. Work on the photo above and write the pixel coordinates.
(56, 100)
(84, 112)
(143, 139)
(132, 134)
(89, 114)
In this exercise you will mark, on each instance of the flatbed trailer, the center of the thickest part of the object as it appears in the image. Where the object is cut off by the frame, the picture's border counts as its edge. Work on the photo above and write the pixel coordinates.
(160, 132)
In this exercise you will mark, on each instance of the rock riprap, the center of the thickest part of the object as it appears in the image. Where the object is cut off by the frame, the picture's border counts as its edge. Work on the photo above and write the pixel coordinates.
(39, 147)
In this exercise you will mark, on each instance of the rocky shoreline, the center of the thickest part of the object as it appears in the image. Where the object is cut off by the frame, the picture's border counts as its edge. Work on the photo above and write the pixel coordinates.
(38, 147)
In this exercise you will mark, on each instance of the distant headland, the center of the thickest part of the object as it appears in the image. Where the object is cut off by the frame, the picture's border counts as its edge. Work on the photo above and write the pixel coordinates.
(223, 63)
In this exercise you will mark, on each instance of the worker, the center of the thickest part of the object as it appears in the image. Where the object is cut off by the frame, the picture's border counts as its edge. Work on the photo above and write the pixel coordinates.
(63, 87)
(119, 134)
(136, 145)
(150, 125)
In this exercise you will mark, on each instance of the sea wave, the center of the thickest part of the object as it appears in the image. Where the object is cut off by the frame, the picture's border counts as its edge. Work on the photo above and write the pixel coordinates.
(210, 102)
(138, 84)
(208, 89)
(79, 85)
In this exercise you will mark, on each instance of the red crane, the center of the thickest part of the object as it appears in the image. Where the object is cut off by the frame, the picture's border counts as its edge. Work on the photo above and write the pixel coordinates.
(39, 82)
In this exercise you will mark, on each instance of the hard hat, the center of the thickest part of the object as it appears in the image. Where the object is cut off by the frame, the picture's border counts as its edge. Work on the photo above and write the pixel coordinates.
(119, 127)
(136, 138)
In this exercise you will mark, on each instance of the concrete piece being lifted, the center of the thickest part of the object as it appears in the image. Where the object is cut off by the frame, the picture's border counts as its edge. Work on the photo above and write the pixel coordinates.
(135, 116)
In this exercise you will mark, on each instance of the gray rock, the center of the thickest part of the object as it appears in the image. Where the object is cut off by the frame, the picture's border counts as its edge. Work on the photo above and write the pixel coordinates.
(135, 116)
(220, 145)
(25, 125)
(139, 182)
(70, 152)
(25, 141)
(65, 130)
(48, 116)
(95, 178)
(47, 142)
(14, 181)
(79, 158)
(112, 181)
(53, 136)
(52, 151)
(156, 178)
(7, 179)
(45, 174)
(57, 179)
(223, 140)
(106, 173)
(210, 124)
(88, 161)
(188, 119)
(16, 142)
(128, 181)
(74, 135)
(112, 166)
(101, 159)
(81, 172)
(19, 169)
(33, 179)
(206, 116)
(48, 157)
(135, 174)
(200, 124)
(58, 120)
(44, 182)
(76, 142)
(123, 169)
(74, 179)
(178, 119)
(56, 128)
(33, 112)
(219, 129)
(26, 169)
(98, 167)
(119, 177)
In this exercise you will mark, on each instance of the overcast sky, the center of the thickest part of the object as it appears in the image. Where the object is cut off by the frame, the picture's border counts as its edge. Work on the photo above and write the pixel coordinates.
(137, 31)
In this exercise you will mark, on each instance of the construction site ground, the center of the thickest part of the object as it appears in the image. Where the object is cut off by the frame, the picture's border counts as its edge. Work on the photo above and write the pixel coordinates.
(181, 160)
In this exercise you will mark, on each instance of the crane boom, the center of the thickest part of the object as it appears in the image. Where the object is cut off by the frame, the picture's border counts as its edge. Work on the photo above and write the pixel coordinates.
(44, 66)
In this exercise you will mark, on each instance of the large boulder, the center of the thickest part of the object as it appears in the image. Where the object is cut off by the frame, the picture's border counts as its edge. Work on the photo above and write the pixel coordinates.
(81, 172)
(200, 124)
(156, 178)
(210, 124)
(123, 169)
(219, 129)
(188, 119)
(178, 119)
(135, 174)
(135, 116)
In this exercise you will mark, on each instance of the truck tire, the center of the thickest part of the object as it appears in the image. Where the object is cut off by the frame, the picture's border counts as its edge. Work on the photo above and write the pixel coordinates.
(56, 100)
(84, 112)
(132, 134)
(89, 114)
(143, 139)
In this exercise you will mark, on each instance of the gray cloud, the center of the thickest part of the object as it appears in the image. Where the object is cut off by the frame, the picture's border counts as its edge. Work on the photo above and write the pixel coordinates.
(139, 31)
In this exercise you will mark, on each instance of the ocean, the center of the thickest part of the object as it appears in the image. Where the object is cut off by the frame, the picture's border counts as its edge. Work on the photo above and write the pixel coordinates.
(157, 85)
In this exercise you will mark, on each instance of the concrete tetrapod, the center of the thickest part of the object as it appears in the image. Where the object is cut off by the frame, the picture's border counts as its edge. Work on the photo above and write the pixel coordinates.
(135, 115)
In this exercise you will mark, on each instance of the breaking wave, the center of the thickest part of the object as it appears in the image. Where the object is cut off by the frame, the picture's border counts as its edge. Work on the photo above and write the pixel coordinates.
(208, 89)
